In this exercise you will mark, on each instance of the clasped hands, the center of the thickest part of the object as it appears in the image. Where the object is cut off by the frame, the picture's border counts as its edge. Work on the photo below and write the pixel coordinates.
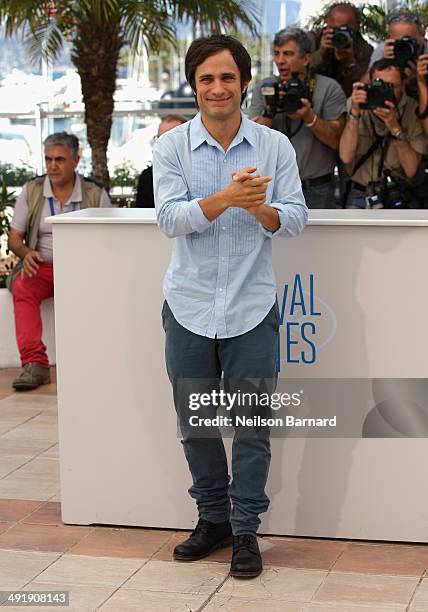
(247, 190)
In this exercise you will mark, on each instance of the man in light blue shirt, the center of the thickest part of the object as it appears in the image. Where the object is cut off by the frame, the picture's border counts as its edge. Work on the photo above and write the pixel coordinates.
(224, 186)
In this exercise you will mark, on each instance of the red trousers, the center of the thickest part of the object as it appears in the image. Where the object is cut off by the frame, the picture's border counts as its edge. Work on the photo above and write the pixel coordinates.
(28, 293)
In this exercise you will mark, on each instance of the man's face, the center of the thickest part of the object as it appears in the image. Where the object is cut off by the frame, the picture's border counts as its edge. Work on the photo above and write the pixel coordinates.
(288, 60)
(165, 126)
(60, 165)
(342, 16)
(391, 75)
(399, 29)
(218, 86)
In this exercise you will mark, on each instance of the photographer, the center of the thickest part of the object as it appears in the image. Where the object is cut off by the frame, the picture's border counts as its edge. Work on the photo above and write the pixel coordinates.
(307, 108)
(422, 78)
(383, 139)
(341, 52)
(406, 41)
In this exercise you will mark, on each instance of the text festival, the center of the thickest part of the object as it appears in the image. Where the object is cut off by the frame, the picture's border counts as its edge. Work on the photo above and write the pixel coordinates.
(296, 305)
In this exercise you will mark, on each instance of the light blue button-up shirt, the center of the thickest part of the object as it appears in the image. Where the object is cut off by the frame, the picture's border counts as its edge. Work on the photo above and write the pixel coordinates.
(220, 282)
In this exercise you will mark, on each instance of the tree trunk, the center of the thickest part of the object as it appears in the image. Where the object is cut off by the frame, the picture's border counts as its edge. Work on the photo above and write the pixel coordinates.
(95, 54)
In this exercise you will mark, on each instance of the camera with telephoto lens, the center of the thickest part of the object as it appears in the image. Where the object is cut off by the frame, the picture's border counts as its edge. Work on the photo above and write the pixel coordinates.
(386, 194)
(378, 92)
(406, 49)
(342, 37)
(285, 96)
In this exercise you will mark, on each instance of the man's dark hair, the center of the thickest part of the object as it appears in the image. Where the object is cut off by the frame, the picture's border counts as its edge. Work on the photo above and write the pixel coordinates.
(346, 5)
(384, 64)
(204, 47)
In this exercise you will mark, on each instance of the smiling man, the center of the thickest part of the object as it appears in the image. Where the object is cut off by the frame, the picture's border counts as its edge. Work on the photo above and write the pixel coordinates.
(30, 238)
(224, 187)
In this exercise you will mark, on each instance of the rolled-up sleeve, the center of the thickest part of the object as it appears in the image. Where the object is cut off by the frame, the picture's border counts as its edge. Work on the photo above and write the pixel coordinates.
(20, 212)
(177, 214)
(287, 195)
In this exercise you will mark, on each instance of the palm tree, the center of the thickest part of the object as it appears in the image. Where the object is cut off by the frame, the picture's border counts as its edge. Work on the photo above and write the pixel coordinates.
(98, 30)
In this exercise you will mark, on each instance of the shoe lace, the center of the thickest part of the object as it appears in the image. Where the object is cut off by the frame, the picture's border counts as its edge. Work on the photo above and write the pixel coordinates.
(244, 541)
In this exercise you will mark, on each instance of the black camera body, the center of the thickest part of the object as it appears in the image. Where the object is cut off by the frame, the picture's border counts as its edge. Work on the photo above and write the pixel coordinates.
(285, 96)
(342, 37)
(386, 194)
(406, 49)
(378, 92)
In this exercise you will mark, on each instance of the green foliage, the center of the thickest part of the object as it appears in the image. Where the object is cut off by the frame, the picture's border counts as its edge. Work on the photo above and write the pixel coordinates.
(125, 175)
(373, 21)
(16, 176)
(373, 17)
(5, 202)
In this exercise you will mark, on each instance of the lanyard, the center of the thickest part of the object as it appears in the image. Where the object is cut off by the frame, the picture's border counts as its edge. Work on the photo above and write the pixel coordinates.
(51, 206)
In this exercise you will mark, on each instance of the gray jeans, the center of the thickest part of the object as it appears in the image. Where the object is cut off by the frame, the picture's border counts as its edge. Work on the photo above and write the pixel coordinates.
(320, 196)
(195, 365)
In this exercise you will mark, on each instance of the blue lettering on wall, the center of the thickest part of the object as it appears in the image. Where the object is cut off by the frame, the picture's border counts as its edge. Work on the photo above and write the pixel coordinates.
(297, 333)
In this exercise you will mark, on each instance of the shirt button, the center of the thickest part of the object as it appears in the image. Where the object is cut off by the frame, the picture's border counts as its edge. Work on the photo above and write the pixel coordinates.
(223, 258)
(225, 160)
(223, 228)
(220, 290)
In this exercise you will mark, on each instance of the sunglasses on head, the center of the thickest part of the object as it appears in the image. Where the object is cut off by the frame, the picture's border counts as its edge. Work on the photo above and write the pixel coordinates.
(404, 18)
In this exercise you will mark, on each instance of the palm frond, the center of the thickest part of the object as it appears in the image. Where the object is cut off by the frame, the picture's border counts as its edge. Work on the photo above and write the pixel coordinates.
(15, 13)
(100, 10)
(217, 13)
(146, 23)
(43, 40)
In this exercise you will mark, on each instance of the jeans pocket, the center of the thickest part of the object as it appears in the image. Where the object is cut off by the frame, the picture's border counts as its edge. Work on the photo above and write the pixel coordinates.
(164, 313)
(276, 316)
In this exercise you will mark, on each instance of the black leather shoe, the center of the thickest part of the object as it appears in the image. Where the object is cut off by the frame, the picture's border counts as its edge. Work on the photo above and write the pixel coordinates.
(246, 558)
(204, 539)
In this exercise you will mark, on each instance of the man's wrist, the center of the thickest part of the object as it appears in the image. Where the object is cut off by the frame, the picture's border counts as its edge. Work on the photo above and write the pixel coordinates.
(22, 251)
(394, 129)
(268, 217)
(258, 210)
(354, 114)
(310, 119)
(223, 199)
(399, 136)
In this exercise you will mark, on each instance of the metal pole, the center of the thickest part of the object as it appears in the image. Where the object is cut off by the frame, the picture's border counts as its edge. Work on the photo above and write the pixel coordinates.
(39, 152)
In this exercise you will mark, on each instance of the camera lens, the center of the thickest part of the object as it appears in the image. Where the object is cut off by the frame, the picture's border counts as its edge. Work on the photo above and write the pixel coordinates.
(406, 49)
(341, 38)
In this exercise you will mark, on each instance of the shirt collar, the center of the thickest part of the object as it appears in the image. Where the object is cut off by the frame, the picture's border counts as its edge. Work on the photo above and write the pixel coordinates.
(76, 194)
(199, 133)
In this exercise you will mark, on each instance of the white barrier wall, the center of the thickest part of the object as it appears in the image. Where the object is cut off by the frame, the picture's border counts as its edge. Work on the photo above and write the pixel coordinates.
(9, 356)
(121, 461)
